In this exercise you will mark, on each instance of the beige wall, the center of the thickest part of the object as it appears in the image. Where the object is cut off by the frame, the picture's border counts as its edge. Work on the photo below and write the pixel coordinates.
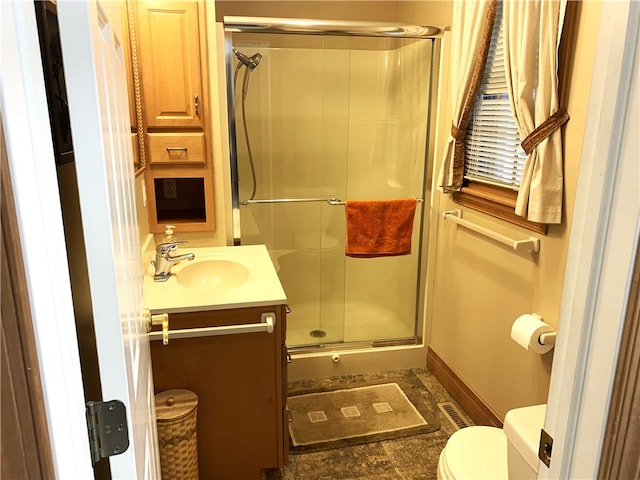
(381, 11)
(436, 12)
(480, 287)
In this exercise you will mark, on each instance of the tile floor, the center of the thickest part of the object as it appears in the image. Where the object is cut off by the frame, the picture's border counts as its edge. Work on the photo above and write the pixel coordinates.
(409, 458)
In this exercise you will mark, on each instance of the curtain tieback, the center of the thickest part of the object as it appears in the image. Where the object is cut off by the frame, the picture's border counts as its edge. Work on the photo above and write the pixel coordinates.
(543, 131)
(457, 133)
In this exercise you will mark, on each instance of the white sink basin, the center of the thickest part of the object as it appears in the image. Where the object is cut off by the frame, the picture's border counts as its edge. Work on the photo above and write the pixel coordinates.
(212, 274)
(218, 278)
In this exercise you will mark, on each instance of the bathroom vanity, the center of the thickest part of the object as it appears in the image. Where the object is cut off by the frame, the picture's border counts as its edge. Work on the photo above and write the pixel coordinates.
(239, 377)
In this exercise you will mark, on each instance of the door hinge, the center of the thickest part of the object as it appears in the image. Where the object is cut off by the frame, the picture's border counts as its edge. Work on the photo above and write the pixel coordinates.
(544, 450)
(107, 428)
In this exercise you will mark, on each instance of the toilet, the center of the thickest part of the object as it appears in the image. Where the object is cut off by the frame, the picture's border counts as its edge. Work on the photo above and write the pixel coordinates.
(481, 452)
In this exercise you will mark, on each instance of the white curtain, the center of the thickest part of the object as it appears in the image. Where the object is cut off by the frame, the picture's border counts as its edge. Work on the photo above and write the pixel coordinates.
(468, 33)
(532, 30)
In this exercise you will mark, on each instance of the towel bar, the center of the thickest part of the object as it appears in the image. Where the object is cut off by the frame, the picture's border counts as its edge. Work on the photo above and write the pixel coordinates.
(267, 323)
(335, 201)
(531, 243)
(330, 201)
(289, 200)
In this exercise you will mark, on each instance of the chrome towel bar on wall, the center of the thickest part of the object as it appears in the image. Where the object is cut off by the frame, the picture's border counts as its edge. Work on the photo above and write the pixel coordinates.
(531, 243)
(268, 321)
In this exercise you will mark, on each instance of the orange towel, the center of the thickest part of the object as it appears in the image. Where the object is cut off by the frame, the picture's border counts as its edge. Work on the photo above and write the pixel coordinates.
(379, 228)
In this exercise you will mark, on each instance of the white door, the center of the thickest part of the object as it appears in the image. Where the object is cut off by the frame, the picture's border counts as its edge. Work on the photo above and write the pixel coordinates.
(604, 236)
(92, 48)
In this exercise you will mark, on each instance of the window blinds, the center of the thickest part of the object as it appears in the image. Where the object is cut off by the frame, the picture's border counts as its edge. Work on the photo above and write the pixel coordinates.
(492, 145)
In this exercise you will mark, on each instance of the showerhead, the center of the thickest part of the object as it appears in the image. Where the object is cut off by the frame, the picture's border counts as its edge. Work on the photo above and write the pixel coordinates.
(249, 62)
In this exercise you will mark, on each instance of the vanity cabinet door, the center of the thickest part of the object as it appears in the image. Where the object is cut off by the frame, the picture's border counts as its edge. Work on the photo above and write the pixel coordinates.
(239, 384)
(170, 44)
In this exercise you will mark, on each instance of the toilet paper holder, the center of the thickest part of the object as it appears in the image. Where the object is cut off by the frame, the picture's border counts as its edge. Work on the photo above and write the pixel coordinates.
(532, 333)
(547, 338)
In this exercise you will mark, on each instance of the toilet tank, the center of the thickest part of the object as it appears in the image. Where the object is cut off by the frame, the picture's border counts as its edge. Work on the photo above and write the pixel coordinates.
(522, 427)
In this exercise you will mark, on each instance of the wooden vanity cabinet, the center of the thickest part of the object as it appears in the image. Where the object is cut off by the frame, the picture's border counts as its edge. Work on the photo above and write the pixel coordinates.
(241, 385)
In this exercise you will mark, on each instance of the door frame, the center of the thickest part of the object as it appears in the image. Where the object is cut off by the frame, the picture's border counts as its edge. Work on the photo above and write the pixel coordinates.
(32, 165)
(604, 238)
(25, 437)
(37, 203)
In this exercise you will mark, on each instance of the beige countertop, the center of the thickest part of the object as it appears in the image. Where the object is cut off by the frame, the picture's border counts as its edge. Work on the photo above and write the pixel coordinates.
(254, 281)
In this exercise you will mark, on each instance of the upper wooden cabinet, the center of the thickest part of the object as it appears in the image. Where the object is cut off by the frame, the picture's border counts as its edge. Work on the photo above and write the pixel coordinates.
(169, 44)
(169, 85)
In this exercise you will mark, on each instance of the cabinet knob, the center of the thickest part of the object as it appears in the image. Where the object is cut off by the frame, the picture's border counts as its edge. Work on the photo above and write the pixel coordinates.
(196, 104)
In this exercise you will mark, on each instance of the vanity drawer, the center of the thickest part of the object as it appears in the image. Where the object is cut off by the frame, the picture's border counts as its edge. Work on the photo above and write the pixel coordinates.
(171, 148)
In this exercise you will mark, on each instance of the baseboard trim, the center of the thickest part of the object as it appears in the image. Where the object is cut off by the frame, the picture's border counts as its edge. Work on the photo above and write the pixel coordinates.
(479, 412)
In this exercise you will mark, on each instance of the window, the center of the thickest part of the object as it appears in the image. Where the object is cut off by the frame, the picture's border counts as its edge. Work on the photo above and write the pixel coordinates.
(493, 154)
(494, 159)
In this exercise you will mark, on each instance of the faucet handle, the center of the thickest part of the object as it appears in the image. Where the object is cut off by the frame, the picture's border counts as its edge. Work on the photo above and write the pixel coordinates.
(165, 248)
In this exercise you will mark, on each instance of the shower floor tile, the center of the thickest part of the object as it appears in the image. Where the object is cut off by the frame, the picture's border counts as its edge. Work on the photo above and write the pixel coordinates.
(409, 458)
(360, 321)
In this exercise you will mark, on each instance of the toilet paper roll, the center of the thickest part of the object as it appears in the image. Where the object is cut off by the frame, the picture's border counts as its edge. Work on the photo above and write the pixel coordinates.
(526, 331)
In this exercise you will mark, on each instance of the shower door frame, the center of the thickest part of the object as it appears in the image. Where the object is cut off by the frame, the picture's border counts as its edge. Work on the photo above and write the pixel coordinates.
(270, 25)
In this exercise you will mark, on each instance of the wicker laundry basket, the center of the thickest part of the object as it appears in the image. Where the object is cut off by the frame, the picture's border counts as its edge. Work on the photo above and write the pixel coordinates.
(176, 414)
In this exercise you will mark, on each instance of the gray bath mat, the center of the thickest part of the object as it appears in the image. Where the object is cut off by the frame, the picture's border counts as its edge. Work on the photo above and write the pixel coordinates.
(357, 409)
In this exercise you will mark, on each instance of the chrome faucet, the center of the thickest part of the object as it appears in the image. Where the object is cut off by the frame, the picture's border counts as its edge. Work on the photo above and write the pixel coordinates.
(164, 260)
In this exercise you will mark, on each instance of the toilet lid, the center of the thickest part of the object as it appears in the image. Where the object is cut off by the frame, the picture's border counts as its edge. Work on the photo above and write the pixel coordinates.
(476, 453)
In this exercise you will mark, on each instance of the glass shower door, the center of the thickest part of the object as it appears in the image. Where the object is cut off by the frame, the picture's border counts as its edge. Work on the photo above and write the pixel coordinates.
(324, 117)
(296, 115)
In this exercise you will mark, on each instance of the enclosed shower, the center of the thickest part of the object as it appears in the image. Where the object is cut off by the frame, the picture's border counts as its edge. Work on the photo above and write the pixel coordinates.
(320, 113)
